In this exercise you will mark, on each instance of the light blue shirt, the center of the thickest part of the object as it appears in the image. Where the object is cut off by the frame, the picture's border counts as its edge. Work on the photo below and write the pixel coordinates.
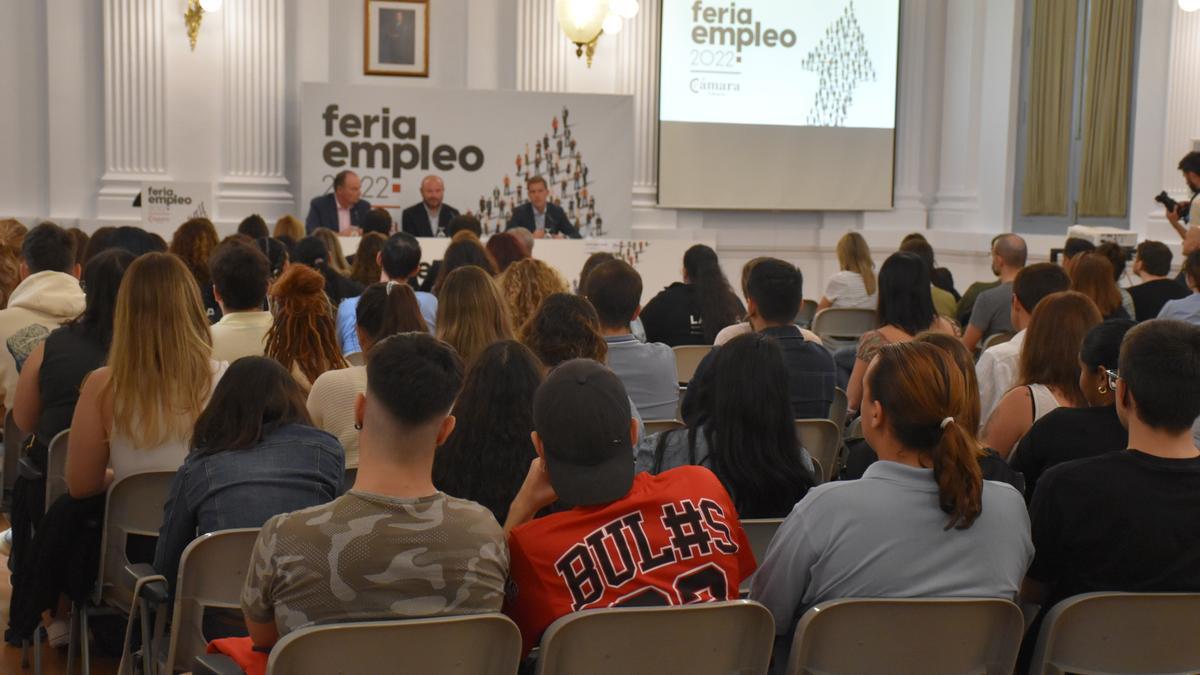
(539, 219)
(1184, 309)
(346, 320)
(648, 373)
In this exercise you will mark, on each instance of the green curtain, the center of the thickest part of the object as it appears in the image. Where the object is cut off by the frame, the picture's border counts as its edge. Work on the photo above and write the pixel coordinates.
(1104, 167)
(1051, 89)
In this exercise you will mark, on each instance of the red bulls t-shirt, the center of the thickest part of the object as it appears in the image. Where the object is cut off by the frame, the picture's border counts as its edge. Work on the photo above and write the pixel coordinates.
(675, 539)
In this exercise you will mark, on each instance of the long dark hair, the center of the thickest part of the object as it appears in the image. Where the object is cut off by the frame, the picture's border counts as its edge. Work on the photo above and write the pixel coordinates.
(719, 307)
(254, 398)
(904, 294)
(745, 414)
(312, 252)
(387, 308)
(101, 282)
(487, 456)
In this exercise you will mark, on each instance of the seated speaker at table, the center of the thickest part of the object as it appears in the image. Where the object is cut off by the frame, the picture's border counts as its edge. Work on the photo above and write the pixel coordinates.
(343, 211)
(431, 216)
(541, 216)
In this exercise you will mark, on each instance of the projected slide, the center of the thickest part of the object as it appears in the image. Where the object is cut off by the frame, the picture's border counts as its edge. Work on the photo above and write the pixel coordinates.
(741, 82)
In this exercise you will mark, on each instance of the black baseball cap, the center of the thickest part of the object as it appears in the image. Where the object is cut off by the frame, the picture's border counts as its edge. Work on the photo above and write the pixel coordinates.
(581, 412)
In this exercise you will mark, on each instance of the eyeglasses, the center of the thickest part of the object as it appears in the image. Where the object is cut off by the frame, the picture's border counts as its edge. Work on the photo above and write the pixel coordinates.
(1113, 376)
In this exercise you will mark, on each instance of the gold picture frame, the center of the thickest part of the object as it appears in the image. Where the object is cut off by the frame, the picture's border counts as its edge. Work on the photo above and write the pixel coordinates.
(396, 38)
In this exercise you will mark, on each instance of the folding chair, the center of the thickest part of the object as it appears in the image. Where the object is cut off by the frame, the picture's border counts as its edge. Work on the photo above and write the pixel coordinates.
(995, 339)
(687, 358)
(480, 644)
(56, 466)
(930, 636)
(837, 410)
(711, 638)
(760, 531)
(658, 426)
(821, 438)
(12, 455)
(839, 326)
(1120, 633)
(808, 309)
(348, 480)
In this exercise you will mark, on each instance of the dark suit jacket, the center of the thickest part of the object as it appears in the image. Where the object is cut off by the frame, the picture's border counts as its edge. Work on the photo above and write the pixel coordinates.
(322, 212)
(415, 220)
(556, 220)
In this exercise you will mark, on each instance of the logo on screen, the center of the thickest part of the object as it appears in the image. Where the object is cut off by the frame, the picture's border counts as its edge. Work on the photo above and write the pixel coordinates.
(733, 26)
(370, 147)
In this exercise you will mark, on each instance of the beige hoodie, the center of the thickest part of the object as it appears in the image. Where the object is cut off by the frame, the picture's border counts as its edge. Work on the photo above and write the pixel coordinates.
(46, 298)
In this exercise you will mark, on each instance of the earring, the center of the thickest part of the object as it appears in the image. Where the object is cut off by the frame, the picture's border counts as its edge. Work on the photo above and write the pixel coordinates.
(1103, 389)
(358, 426)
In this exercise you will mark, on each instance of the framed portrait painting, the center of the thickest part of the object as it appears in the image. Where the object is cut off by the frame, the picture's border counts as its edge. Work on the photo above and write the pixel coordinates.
(397, 38)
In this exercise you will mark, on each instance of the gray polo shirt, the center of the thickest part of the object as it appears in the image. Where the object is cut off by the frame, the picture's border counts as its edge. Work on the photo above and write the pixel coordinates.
(884, 536)
(648, 372)
(993, 310)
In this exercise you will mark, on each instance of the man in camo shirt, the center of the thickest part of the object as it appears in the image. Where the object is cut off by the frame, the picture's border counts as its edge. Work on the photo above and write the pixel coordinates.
(394, 546)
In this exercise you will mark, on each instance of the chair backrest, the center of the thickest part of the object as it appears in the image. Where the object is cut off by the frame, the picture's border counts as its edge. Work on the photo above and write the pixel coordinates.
(349, 478)
(657, 426)
(996, 339)
(481, 644)
(12, 451)
(134, 507)
(843, 324)
(687, 357)
(56, 466)
(808, 309)
(714, 638)
(839, 407)
(821, 438)
(760, 531)
(923, 635)
(1121, 633)
(211, 572)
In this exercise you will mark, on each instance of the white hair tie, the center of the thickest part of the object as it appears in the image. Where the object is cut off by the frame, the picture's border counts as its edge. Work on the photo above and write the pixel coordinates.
(946, 422)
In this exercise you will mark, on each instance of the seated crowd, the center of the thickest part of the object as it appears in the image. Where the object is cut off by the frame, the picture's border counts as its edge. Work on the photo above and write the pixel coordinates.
(475, 442)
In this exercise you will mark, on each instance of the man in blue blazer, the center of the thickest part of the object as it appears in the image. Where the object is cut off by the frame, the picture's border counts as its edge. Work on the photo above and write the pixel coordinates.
(540, 216)
(430, 216)
(343, 211)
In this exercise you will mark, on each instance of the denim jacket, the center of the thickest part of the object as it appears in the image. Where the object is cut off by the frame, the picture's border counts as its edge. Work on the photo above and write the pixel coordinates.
(295, 467)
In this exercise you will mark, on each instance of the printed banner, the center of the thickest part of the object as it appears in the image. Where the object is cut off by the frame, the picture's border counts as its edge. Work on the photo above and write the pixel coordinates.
(167, 204)
(483, 144)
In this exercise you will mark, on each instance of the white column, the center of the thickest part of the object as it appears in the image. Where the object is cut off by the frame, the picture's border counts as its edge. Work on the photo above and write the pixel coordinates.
(637, 75)
(542, 49)
(253, 170)
(1183, 98)
(134, 115)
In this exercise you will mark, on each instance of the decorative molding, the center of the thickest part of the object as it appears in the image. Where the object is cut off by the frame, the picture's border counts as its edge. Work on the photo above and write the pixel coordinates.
(1183, 97)
(542, 49)
(637, 74)
(134, 92)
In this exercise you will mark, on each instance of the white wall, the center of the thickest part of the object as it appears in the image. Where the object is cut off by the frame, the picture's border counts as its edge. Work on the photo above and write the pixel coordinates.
(109, 93)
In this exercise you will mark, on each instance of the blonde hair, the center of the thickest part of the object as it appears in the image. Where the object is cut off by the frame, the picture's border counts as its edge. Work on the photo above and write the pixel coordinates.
(289, 226)
(471, 312)
(161, 373)
(10, 272)
(855, 256)
(12, 233)
(337, 259)
(526, 284)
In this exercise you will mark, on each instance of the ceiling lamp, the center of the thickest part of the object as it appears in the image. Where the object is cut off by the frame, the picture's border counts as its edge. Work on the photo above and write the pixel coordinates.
(195, 14)
(584, 21)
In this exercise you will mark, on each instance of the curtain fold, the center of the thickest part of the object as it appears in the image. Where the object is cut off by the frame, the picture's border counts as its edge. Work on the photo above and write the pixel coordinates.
(1104, 163)
(1050, 102)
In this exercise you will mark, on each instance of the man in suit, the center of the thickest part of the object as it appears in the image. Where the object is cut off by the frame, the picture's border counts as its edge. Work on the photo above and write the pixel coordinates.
(343, 211)
(418, 219)
(541, 217)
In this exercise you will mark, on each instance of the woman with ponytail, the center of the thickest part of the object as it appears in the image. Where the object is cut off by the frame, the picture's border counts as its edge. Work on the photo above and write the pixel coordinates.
(385, 309)
(303, 337)
(693, 311)
(887, 536)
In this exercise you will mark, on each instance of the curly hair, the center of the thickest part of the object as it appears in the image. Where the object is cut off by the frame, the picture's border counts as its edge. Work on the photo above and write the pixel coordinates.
(193, 243)
(303, 334)
(10, 272)
(366, 269)
(565, 327)
(526, 284)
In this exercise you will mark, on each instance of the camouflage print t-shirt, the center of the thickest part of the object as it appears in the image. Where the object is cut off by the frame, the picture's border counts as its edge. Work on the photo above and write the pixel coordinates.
(369, 556)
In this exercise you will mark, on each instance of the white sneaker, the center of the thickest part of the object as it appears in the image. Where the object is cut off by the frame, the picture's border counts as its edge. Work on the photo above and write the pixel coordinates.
(6, 542)
(58, 633)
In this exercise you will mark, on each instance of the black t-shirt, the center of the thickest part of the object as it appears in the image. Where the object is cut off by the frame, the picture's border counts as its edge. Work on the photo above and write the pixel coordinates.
(1064, 435)
(1123, 521)
(673, 317)
(1149, 298)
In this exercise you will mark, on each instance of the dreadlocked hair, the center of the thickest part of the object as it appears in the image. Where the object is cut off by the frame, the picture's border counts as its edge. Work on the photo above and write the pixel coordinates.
(303, 334)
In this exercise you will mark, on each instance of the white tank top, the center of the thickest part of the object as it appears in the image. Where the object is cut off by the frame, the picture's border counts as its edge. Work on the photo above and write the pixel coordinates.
(1043, 400)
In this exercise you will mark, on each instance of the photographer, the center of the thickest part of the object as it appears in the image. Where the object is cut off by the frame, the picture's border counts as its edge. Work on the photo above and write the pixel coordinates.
(1179, 214)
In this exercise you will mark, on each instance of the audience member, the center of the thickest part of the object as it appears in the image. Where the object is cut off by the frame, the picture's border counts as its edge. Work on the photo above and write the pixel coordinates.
(311, 251)
(81, 243)
(997, 367)
(853, 286)
(378, 221)
(486, 457)
(240, 277)
(564, 327)
(1187, 308)
(457, 224)
(277, 255)
(1071, 251)
(10, 272)
(693, 311)
(471, 313)
(1126, 521)
(400, 261)
(303, 337)
(526, 284)
(289, 226)
(940, 277)
(333, 244)
(593, 261)
(1153, 266)
(1191, 244)
(12, 232)
(506, 249)
(254, 455)
(682, 521)
(253, 226)
(194, 242)
(383, 310)
(394, 545)
(464, 251)
(1092, 275)
(884, 536)
(1048, 368)
(100, 242)
(1066, 434)
(743, 429)
(944, 302)
(524, 236)
(48, 295)
(646, 369)
(729, 332)
(366, 270)
(1116, 256)
(992, 310)
(904, 310)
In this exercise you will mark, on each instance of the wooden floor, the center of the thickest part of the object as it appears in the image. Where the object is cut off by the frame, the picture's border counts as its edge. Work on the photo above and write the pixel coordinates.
(54, 661)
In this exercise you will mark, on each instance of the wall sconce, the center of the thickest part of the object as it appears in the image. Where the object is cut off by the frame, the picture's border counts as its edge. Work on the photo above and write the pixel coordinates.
(584, 21)
(1189, 5)
(196, 10)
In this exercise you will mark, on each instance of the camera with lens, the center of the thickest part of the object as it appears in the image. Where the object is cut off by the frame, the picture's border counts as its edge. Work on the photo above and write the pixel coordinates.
(1170, 204)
